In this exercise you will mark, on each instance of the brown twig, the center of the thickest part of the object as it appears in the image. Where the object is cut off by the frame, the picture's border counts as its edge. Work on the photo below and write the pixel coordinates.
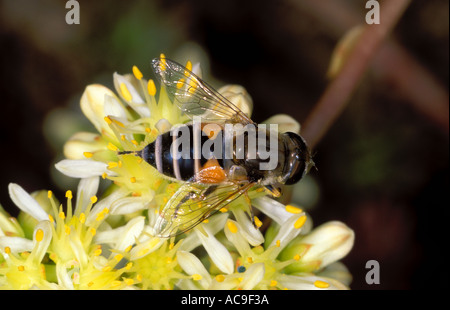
(338, 92)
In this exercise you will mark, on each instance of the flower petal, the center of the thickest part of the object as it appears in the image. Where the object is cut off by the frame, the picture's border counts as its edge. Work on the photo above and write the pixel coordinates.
(252, 276)
(124, 236)
(132, 97)
(310, 282)
(83, 142)
(275, 210)
(26, 203)
(216, 250)
(233, 233)
(192, 265)
(252, 234)
(285, 123)
(239, 96)
(42, 237)
(87, 188)
(104, 203)
(79, 168)
(15, 244)
(127, 205)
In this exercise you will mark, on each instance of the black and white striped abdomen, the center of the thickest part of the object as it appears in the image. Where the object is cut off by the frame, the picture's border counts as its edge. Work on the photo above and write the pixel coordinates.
(180, 160)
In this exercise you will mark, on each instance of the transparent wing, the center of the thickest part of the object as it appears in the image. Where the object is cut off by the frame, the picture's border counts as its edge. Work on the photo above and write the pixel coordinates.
(194, 96)
(193, 203)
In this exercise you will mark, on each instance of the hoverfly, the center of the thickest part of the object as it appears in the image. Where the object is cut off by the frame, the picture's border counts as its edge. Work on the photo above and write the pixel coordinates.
(210, 183)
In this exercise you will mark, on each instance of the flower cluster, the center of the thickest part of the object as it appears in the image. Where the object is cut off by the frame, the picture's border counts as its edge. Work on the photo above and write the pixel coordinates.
(108, 241)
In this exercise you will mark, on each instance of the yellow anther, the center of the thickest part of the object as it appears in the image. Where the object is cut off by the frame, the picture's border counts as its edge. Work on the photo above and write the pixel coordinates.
(118, 257)
(297, 257)
(128, 248)
(169, 260)
(112, 164)
(180, 83)
(123, 138)
(108, 120)
(171, 245)
(232, 227)
(139, 277)
(134, 142)
(148, 130)
(189, 65)
(82, 218)
(94, 199)
(128, 281)
(163, 63)
(140, 160)
(321, 284)
(223, 210)
(278, 243)
(93, 231)
(220, 278)
(151, 88)
(88, 154)
(119, 164)
(205, 221)
(69, 194)
(39, 235)
(67, 229)
(300, 222)
(294, 210)
(90, 284)
(250, 259)
(104, 175)
(257, 221)
(21, 268)
(98, 252)
(62, 215)
(106, 268)
(273, 283)
(137, 73)
(7, 250)
(50, 218)
(125, 92)
(197, 277)
(128, 266)
(49, 194)
(112, 147)
(105, 210)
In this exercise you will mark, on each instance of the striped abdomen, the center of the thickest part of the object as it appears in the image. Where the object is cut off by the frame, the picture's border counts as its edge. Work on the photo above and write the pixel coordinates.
(180, 154)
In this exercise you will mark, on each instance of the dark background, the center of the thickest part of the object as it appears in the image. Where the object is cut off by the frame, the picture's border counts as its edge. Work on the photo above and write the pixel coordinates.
(382, 167)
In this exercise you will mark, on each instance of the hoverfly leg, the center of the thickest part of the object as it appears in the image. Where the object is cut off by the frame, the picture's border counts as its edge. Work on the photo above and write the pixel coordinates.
(272, 190)
(250, 208)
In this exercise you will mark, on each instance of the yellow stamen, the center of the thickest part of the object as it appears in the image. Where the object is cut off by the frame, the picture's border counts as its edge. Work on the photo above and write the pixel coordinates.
(93, 231)
(278, 243)
(273, 283)
(104, 175)
(205, 221)
(67, 229)
(98, 252)
(39, 235)
(257, 221)
(220, 278)
(112, 164)
(128, 281)
(49, 194)
(116, 283)
(300, 222)
(119, 163)
(21, 268)
(180, 83)
(250, 259)
(90, 284)
(106, 268)
(297, 257)
(50, 218)
(82, 218)
(123, 138)
(294, 210)
(196, 277)
(139, 277)
(88, 154)
(62, 215)
(232, 227)
(118, 257)
(128, 248)
(171, 245)
(7, 250)
(125, 92)
(128, 266)
(189, 66)
(69, 194)
(321, 284)
(112, 147)
(151, 88)
(94, 199)
(108, 120)
(137, 73)
(147, 130)
(134, 142)
(223, 210)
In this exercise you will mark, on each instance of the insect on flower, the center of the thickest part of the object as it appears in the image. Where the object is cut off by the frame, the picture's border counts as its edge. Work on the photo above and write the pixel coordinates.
(223, 152)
